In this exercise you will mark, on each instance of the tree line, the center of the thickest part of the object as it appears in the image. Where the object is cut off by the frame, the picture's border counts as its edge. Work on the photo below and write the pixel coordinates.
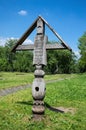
(58, 61)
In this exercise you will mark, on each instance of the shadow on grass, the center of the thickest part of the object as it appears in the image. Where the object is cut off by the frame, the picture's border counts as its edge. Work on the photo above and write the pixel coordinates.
(52, 108)
(29, 103)
(46, 105)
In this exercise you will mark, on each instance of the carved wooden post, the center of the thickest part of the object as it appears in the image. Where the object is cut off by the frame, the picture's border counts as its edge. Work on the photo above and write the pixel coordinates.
(39, 60)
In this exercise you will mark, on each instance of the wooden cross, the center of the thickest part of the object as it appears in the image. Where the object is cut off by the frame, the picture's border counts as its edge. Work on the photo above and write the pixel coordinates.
(19, 47)
(39, 58)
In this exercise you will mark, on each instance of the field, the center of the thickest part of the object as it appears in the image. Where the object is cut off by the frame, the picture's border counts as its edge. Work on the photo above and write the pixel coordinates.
(8, 80)
(68, 95)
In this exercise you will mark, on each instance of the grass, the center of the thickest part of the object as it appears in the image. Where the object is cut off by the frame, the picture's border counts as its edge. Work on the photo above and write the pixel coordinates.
(8, 80)
(16, 114)
(14, 79)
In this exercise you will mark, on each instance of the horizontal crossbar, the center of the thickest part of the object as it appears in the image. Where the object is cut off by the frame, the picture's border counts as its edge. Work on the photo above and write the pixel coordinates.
(25, 47)
(48, 47)
(54, 46)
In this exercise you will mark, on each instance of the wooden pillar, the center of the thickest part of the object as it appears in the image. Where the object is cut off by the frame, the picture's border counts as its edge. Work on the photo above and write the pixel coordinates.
(39, 60)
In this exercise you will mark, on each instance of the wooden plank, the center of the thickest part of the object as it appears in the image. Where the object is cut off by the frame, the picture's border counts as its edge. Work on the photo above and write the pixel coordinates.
(32, 27)
(57, 35)
(25, 35)
(54, 46)
(25, 47)
(48, 47)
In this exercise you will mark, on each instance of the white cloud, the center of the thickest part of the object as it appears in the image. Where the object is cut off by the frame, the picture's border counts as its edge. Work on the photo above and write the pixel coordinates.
(28, 41)
(77, 53)
(3, 40)
(22, 12)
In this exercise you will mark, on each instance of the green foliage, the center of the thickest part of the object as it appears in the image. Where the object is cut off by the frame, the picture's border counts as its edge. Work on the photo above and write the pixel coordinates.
(6, 56)
(52, 62)
(66, 61)
(19, 61)
(61, 61)
(82, 47)
(23, 62)
(16, 113)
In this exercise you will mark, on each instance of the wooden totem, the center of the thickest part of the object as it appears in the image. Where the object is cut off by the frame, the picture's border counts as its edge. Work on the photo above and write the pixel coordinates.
(39, 47)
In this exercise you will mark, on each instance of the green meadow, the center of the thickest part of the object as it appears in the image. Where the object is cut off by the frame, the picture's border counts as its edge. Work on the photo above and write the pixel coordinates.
(68, 95)
(15, 79)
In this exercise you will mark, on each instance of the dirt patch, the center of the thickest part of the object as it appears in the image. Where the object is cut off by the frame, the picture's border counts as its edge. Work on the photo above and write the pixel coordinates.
(66, 110)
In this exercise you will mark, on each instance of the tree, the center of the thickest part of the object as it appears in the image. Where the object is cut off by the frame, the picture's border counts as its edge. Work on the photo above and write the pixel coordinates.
(10, 57)
(82, 48)
(65, 61)
(23, 61)
(52, 62)
(60, 61)
(3, 61)
(19, 61)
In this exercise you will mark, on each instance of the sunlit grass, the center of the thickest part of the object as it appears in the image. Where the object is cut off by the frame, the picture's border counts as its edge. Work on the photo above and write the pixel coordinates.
(15, 79)
(16, 113)
(9, 79)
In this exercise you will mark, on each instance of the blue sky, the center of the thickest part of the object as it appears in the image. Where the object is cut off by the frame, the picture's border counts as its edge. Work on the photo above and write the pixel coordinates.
(67, 17)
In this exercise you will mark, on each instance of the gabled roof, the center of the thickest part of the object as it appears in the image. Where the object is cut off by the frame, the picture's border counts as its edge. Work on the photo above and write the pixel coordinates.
(31, 28)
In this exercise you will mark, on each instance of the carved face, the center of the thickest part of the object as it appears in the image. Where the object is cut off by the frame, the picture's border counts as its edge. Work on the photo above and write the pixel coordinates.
(40, 29)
